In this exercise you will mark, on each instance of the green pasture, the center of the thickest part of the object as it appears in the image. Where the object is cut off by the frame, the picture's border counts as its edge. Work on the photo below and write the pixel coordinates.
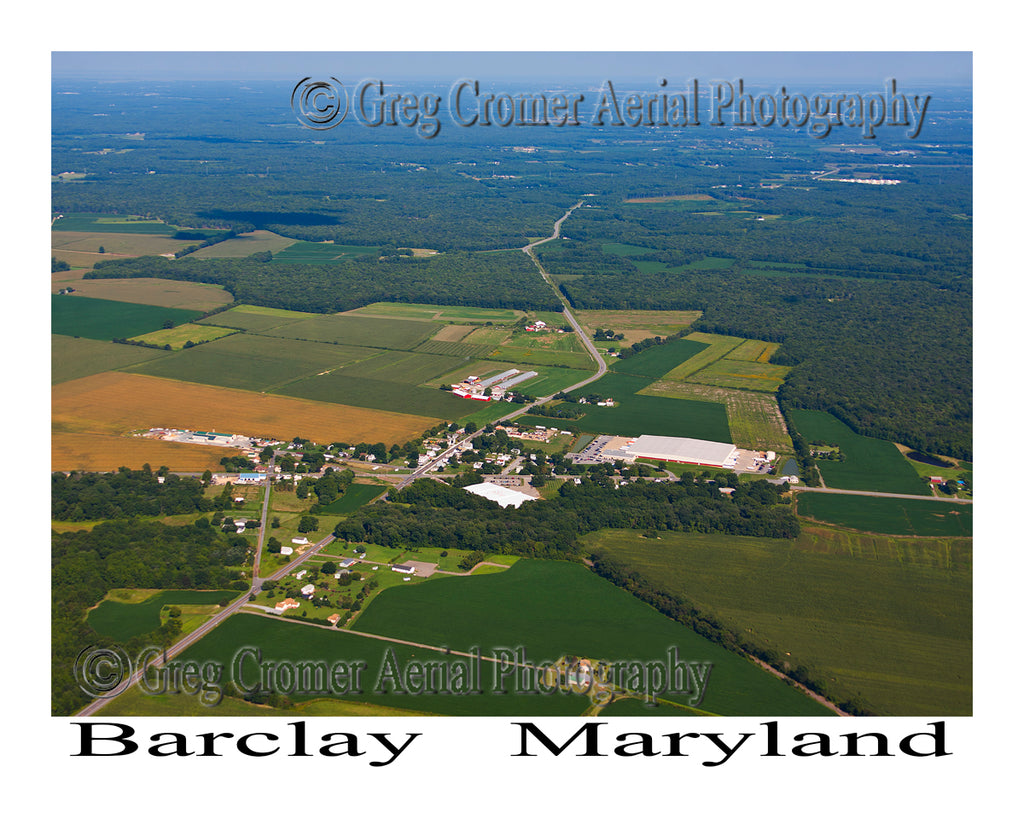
(355, 496)
(554, 609)
(256, 319)
(104, 320)
(438, 312)
(888, 619)
(894, 516)
(321, 253)
(111, 223)
(870, 464)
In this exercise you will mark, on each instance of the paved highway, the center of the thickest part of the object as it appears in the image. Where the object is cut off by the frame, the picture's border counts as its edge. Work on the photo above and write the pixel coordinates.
(602, 367)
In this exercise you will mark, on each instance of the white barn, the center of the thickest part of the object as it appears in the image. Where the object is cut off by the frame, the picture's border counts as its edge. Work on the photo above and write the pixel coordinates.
(679, 450)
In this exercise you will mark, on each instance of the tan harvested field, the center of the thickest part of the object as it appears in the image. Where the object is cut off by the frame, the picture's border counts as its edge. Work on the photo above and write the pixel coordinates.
(245, 244)
(79, 262)
(689, 197)
(453, 332)
(100, 409)
(751, 350)
(159, 292)
(85, 246)
(178, 336)
(421, 252)
(636, 325)
(106, 453)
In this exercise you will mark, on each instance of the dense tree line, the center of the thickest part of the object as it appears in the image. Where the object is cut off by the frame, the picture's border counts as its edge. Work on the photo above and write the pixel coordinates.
(890, 358)
(429, 513)
(501, 280)
(124, 494)
(85, 565)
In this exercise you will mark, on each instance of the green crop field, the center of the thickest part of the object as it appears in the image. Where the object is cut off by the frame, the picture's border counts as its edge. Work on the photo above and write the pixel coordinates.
(554, 609)
(391, 334)
(338, 388)
(110, 223)
(122, 621)
(894, 516)
(105, 320)
(888, 618)
(636, 414)
(718, 347)
(525, 358)
(256, 319)
(755, 421)
(251, 362)
(459, 349)
(401, 367)
(72, 358)
(658, 360)
(288, 643)
(870, 464)
(321, 252)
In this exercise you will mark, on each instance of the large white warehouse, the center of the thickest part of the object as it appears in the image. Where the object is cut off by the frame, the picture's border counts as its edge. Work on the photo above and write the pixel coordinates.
(679, 450)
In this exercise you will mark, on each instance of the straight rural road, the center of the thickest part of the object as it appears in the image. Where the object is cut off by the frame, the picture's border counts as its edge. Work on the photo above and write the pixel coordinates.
(830, 491)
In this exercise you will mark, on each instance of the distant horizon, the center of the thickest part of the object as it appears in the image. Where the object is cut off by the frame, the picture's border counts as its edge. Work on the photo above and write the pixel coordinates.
(935, 68)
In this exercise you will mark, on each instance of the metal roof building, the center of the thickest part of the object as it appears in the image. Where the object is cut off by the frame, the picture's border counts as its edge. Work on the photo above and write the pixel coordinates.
(501, 495)
(679, 450)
